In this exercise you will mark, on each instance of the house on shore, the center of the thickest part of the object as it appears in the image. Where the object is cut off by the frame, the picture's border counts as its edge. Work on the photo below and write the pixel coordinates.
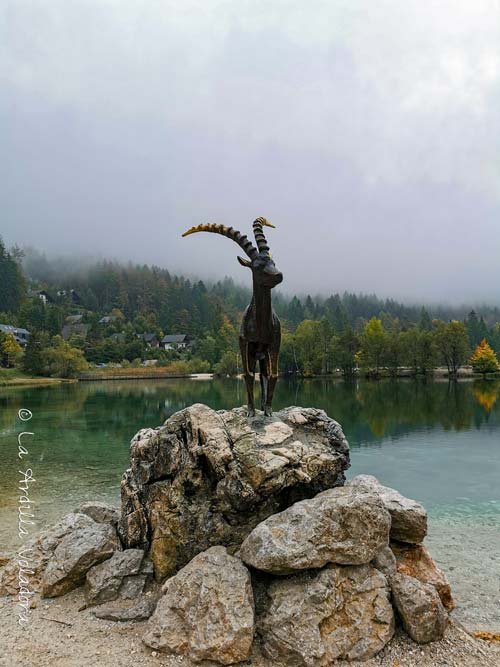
(21, 336)
(177, 342)
(150, 339)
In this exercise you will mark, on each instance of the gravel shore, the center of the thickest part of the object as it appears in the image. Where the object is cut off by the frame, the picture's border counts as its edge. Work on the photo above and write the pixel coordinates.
(59, 635)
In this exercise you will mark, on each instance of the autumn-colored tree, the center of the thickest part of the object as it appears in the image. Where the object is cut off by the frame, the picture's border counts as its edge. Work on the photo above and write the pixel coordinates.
(63, 360)
(484, 360)
(11, 351)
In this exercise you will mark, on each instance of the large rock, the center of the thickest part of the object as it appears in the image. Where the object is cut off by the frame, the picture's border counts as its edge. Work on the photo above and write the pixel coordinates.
(409, 518)
(315, 618)
(346, 525)
(415, 561)
(34, 555)
(75, 554)
(119, 576)
(100, 512)
(422, 613)
(207, 478)
(206, 611)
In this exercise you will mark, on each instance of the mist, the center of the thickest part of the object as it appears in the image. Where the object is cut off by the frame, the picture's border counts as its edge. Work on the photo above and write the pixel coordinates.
(366, 132)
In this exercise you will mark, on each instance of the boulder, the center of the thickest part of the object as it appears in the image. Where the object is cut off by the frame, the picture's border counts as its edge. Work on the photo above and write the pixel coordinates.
(208, 478)
(385, 561)
(75, 554)
(315, 618)
(100, 512)
(409, 518)
(36, 552)
(345, 525)
(415, 561)
(206, 611)
(119, 576)
(422, 613)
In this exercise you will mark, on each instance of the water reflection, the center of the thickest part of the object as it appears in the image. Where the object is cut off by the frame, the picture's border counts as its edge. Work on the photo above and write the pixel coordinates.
(435, 441)
(367, 410)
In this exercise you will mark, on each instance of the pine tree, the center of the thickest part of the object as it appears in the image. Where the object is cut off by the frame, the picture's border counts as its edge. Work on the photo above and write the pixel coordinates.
(12, 284)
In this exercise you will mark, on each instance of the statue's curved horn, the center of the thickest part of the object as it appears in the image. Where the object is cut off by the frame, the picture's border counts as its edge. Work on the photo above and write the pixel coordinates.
(260, 238)
(231, 233)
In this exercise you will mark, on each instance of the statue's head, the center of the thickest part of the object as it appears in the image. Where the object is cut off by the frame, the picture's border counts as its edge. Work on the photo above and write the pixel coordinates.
(265, 273)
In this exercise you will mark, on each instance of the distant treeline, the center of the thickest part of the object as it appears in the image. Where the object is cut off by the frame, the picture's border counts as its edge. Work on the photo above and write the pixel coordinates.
(318, 332)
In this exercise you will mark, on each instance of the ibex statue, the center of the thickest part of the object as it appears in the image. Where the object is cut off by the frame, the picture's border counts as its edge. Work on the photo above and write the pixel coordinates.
(260, 334)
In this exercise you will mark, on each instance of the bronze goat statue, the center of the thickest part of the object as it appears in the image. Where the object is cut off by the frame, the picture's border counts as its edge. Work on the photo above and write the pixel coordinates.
(260, 333)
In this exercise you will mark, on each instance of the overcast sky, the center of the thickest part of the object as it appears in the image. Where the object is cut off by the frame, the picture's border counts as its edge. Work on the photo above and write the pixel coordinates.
(368, 132)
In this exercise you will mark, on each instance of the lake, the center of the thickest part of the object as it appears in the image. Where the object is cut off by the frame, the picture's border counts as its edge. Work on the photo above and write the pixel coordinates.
(435, 441)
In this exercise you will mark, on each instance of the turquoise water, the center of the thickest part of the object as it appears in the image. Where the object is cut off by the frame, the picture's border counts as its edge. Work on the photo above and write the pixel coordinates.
(436, 442)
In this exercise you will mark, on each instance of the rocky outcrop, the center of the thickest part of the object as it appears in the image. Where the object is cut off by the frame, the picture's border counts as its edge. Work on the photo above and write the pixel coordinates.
(121, 576)
(75, 554)
(37, 552)
(206, 478)
(409, 518)
(416, 561)
(327, 564)
(206, 611)
(346, 525)
(422, 613)
(314, 618)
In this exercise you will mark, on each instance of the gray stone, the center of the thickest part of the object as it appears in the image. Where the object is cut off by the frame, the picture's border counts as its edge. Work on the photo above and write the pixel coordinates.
(345, 525)
(75, 554)
(206, 611)
(316, 618)
(114, 577)
(36, 553)
(385, 561)
(132, 587)
(206, 478)
(420, 608)
(100, 512)
(116, 611)
(409, 518)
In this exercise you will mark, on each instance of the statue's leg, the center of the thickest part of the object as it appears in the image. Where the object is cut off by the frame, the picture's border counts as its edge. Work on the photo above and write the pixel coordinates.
(264, 381)
(248, 362)
(273, 378)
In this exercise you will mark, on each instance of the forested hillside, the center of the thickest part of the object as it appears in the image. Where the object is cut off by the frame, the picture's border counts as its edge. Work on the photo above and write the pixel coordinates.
(50, 298)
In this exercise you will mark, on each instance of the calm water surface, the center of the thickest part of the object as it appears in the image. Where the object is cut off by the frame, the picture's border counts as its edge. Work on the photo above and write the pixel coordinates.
(438, 442)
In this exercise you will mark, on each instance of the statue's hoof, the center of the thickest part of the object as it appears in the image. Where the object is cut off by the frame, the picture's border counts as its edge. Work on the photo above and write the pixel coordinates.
(268, 411)
(251, 412)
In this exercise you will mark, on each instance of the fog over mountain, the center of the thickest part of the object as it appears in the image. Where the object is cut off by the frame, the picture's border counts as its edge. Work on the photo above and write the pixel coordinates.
(367, 132)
